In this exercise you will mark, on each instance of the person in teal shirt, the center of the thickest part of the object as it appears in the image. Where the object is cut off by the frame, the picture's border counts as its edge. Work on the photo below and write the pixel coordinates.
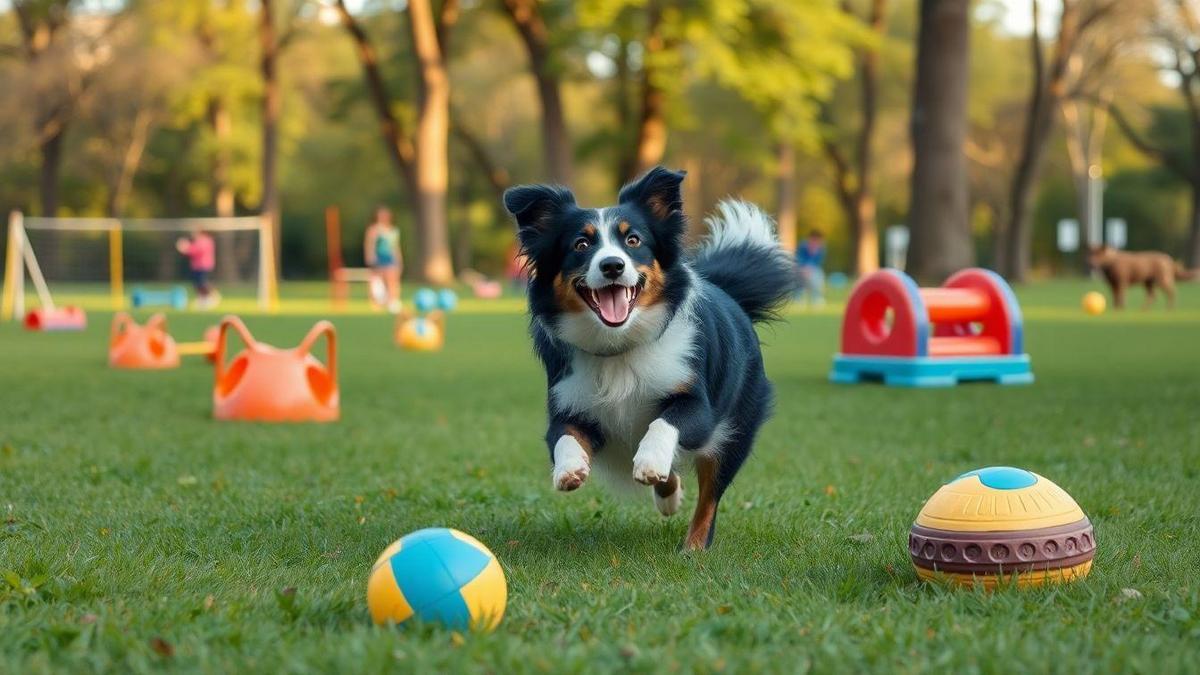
(381, 250)
(810, 258)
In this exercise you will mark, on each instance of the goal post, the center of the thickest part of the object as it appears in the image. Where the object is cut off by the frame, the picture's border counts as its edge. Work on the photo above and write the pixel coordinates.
(106, 254)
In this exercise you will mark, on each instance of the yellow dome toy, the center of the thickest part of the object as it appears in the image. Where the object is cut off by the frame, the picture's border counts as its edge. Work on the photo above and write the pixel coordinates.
(999, 523)
(438, 575)
(421, 333)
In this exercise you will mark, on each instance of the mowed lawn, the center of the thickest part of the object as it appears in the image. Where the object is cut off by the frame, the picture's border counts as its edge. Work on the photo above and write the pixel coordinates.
(137, 534)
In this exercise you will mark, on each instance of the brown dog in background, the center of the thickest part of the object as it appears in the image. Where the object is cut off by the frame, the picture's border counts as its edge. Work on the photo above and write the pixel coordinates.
(1128, 268)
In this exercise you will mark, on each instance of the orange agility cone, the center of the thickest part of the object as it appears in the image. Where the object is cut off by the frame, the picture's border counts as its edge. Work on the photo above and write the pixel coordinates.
(266, 384)
(141, 347)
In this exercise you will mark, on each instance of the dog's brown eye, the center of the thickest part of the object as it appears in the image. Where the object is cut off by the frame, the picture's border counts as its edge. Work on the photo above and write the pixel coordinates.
(633, 241)
(581, 244)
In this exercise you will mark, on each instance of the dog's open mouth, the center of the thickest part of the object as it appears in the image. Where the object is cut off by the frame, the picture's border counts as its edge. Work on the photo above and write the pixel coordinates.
(613, 304)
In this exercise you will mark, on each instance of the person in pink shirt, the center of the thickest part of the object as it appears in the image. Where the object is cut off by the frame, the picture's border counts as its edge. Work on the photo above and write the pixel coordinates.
(201, 252)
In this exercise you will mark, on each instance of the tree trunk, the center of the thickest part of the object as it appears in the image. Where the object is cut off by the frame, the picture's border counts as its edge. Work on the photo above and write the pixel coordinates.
(866, 235)
(785, 192)
(432, 146)
(652, 128)
(940, 242)
(271, 108)
(1049, 89)
(51, 151)
(865, 232)
(651, 143)
(556, 143)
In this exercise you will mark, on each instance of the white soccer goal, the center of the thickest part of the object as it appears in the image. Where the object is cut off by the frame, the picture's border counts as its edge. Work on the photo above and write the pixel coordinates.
(93, 260)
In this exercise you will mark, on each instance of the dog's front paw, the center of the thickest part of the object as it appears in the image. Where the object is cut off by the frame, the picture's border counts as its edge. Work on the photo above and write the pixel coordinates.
(571, 465)
(566, 480)
(656, 453)
(650, 471)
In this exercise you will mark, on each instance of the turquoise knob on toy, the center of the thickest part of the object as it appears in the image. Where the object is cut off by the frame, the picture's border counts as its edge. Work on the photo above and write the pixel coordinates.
(447, 300)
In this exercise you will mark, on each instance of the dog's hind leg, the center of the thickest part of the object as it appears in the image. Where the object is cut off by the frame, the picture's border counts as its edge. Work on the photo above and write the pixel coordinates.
(1149, 294)
(668, 495)
(704, 519)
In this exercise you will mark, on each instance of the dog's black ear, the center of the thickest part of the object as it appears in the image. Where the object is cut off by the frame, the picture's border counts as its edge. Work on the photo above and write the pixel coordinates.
(657, 192)
(535, 207)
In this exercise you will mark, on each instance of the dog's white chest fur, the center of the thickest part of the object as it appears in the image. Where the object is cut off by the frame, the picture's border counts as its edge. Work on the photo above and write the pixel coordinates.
(622, 392)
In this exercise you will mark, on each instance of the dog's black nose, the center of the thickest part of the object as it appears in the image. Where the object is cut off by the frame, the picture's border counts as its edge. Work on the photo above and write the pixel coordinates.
(612, 267)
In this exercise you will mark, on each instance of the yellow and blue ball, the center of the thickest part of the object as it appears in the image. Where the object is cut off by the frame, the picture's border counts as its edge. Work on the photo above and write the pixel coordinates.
(1000, 524)
(438, 575)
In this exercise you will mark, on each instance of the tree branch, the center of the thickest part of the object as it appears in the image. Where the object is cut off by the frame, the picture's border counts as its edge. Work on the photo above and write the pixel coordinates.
(841, 174)
(445, 21)
(497, 176)
(399, 144)
(1145, 147)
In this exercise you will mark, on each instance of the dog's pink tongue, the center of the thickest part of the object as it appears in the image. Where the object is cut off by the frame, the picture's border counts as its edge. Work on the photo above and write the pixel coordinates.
(614, 306)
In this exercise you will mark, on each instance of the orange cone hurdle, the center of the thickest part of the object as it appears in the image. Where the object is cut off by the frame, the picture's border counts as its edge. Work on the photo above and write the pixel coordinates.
(266, 384)
(145, 347)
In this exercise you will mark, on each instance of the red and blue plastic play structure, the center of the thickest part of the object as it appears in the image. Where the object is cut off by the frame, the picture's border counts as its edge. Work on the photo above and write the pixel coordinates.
(897, 333)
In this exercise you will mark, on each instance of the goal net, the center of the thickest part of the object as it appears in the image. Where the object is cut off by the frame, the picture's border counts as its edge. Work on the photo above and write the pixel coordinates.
(99, 262)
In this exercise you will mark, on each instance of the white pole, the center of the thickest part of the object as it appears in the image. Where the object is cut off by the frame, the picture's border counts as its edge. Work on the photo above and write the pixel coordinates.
(35, 273)
(264, 240)
(18, 225)
(1095, 214)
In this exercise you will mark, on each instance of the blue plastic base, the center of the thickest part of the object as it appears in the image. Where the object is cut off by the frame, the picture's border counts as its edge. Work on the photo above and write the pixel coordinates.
(924, 371)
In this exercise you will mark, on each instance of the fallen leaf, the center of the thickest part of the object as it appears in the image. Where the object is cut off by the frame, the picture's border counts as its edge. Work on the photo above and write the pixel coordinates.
(186, 480)
(209, 601)
(724, 609)
(104, 531)
(457, 639)
(162, 647)
(1130, 594)
(88, 619)
(861, 537)
(830, 490)
(628, 652)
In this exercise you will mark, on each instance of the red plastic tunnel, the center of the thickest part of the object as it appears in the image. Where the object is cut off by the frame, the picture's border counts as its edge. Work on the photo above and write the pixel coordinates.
(973, 314)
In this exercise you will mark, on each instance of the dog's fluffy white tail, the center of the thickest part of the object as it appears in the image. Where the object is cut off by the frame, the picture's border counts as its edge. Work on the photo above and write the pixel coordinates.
(737, 222)
(742, 257)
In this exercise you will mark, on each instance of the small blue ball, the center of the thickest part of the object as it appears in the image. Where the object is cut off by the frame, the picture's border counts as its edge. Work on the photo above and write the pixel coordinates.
(425, 300)
(447, 299)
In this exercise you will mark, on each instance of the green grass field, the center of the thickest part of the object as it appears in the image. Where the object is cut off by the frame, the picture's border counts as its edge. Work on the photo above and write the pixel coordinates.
(136, 534)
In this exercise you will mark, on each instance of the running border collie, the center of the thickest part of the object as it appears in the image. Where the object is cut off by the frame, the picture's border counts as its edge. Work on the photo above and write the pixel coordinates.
(651, 357)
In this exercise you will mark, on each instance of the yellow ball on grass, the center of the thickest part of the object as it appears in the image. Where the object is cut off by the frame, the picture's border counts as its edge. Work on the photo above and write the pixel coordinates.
(1094, 303)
